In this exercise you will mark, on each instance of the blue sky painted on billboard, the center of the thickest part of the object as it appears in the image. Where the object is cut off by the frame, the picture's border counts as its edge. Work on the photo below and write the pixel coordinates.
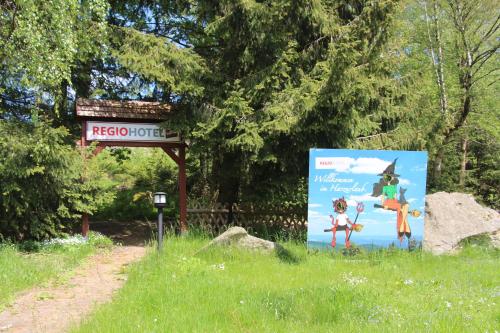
(351, 174)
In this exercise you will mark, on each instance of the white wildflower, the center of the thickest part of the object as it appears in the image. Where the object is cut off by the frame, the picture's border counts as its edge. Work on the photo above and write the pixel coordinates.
(73, 240)
(448, 304)
(408, 282)
(218, 266)
(354, 280)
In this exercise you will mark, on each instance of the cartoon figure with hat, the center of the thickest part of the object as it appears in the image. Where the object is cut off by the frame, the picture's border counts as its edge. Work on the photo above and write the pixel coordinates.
(387, 189)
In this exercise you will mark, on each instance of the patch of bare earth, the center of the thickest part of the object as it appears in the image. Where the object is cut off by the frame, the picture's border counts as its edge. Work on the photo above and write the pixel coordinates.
(56, 308)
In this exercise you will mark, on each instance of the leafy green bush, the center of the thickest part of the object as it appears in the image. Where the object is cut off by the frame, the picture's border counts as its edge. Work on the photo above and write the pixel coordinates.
(98, 240)
(136, 175)
(45, 183)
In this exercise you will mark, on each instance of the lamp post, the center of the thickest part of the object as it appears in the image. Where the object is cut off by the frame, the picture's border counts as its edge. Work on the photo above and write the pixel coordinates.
(160, 201)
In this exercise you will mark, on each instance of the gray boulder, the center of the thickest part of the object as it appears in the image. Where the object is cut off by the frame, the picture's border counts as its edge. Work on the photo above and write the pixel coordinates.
(452, 217)
(239, 237)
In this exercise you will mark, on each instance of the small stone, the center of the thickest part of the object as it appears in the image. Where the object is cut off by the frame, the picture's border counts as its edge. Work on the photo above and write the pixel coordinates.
(239, 237)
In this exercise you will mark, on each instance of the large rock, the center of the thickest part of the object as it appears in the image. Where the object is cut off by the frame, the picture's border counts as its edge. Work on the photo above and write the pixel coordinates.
(238, 236)
(452, 217)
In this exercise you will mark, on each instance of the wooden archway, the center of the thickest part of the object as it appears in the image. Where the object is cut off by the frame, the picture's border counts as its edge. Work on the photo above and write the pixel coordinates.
(132, 124)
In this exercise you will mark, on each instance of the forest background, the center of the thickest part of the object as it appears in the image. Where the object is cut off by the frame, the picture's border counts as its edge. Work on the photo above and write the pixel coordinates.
(254, 85)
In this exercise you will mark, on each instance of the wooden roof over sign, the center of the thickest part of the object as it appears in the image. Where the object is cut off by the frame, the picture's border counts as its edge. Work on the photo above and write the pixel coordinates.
(91, 108)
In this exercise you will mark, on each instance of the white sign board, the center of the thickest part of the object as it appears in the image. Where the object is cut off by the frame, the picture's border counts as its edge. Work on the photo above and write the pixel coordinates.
(136, 132)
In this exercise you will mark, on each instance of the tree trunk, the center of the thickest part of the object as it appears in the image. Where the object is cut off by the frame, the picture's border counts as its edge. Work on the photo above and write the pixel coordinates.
(438, 161)
(228, 180)
(440, 62)
(437, 61)
(463, 163)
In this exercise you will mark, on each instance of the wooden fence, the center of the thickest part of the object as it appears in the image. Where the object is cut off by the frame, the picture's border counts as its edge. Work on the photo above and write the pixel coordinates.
(269, 222)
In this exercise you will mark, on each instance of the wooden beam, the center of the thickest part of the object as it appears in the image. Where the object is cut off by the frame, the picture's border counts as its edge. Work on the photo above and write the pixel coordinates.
(141, 144)
(172, 154)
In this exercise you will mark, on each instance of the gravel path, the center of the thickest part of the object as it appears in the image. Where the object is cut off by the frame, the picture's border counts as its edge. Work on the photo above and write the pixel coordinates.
(56, 308)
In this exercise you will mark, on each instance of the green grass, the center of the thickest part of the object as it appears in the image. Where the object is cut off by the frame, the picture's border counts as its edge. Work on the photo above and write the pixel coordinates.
(230, 290)
(22, 270)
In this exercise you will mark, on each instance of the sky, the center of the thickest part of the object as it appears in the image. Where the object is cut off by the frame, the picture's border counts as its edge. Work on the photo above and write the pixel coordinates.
(336, 173)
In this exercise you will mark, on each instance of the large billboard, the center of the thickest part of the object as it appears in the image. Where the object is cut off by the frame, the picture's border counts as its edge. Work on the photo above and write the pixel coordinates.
(368, 198)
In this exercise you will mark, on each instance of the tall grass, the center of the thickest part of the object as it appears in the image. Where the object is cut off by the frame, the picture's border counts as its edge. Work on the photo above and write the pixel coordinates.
(20, 270)
(231, 290)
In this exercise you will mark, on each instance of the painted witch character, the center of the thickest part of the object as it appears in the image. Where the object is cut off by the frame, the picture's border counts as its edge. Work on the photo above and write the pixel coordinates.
(342, 221)
(386, 188)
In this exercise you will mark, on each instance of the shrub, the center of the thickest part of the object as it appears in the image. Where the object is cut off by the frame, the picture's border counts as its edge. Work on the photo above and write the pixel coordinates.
(45, 183)
(136, 175)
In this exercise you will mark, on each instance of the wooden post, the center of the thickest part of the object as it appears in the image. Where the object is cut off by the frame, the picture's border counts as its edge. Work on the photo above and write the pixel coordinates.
(85, 224)
(182, 189)
(83, 144)
(84, 134)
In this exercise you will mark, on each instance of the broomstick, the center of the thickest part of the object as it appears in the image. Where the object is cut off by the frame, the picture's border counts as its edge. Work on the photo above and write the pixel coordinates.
(359, 208)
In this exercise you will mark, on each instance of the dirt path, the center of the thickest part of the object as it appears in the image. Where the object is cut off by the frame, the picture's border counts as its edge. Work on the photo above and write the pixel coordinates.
(55, 308)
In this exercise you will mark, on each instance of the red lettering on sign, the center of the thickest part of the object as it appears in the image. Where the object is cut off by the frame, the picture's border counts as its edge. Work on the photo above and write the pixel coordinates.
(103, 130)
(123, 131)
(95, 130)
(111, 130)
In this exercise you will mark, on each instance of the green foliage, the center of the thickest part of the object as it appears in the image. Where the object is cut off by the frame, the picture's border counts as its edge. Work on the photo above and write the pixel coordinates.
(255, 84)
(39, 40)
(482, 172)
(97, 240)
(46, 184)
(286, 74)
(178, 69)
(134, 179)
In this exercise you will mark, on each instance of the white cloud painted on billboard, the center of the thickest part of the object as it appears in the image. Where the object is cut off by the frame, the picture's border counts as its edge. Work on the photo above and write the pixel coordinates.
(317, 215)
(351, 203)
(404, 181)
(370, 222)
(384, 211)
(370, 165)
(317, 222)
(315, 205)
(419, 168)
(363, 197)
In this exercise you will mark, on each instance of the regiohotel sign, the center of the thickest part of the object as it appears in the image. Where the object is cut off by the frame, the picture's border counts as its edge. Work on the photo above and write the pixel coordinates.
(135, 132)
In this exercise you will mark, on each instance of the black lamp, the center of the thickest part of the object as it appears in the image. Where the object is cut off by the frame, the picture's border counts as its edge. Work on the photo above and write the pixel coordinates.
(160, 201)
